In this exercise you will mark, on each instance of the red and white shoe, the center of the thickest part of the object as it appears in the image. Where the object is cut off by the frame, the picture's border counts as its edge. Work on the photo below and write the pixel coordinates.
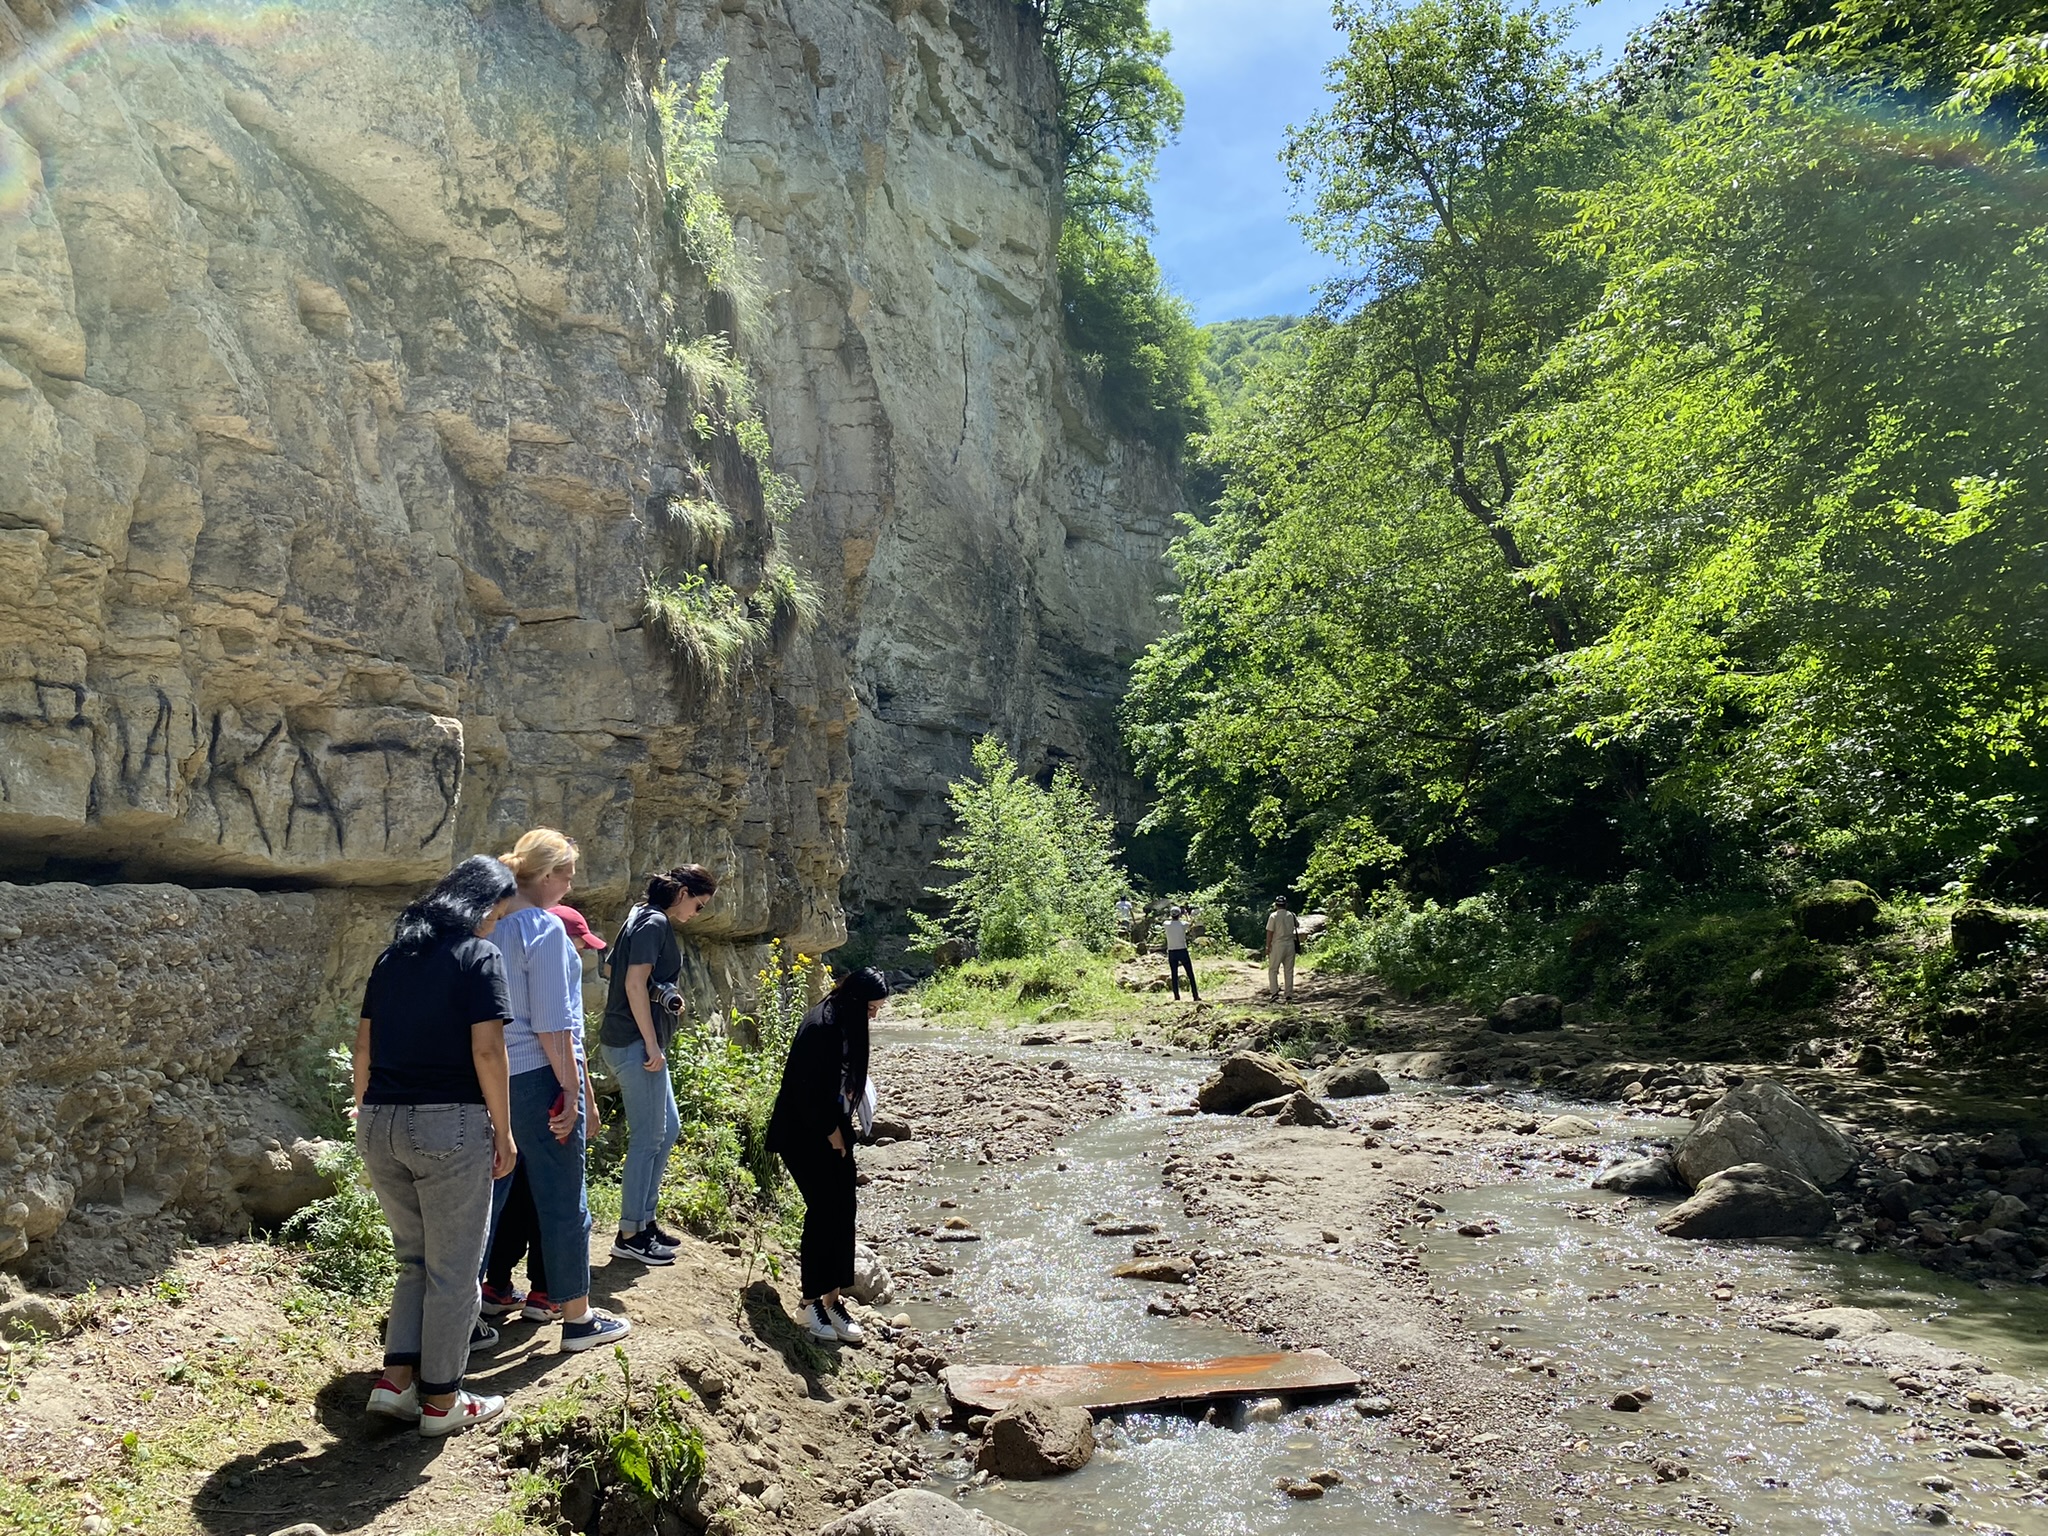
(466, 1412)
(392, 1403)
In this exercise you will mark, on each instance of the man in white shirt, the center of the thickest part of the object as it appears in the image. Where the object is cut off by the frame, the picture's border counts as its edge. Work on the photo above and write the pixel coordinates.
(1280, 929)
(1177, 953)
(1125, 913)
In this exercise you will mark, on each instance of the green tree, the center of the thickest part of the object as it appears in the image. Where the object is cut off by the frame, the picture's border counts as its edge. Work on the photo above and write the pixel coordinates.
(1799, 474)
(1664, 499)
(1133, 338)
(1361, 620)
(1036, 865)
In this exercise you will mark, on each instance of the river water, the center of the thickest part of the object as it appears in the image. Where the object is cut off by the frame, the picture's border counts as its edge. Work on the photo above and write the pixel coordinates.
(1757, 1418)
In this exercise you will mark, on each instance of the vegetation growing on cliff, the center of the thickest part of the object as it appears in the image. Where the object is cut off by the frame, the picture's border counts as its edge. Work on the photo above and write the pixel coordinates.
(1133, 337)
(1658, 515)
(714, 625)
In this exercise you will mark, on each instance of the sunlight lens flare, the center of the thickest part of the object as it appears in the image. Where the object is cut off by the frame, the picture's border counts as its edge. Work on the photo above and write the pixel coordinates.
(88, 36)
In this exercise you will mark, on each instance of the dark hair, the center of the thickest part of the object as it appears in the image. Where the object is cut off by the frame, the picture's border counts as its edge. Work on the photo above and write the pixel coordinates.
(458, 903)
(860, 987)
(683, 880)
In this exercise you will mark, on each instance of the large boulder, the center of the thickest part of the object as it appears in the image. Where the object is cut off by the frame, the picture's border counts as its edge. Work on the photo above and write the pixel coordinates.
(873, 1286)
(1351, 1080)
(1976, 930)
(1751, 1200)
(1653, 1175)
(1837, 912)
(916, 1512)
(1033, 1438)
(1247, 1078)
(1760, 1122)
(1527, 1014)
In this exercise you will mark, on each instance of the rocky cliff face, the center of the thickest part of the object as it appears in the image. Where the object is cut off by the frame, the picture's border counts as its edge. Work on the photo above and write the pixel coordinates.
(339, 440)
(897, 168)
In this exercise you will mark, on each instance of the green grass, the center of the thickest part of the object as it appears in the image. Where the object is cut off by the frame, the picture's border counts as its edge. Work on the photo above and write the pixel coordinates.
(1069, 985)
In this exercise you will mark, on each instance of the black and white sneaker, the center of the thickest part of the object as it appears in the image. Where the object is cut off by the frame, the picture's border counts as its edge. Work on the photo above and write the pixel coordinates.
(662, 1236)
(818, 1323)
(842, 1322)
(642, 1249)
(482, 1336)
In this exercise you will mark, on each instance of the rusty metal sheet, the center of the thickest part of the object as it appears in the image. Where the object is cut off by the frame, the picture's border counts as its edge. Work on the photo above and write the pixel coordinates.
(1145, 1383)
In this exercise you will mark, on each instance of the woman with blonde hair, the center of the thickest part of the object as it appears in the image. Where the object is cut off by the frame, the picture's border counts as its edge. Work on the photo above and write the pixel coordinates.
(553, 1107)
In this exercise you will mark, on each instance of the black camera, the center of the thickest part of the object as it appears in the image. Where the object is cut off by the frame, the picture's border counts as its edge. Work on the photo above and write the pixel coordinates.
(667, 996)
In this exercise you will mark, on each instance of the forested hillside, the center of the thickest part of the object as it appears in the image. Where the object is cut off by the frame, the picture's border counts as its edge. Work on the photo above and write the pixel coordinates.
(1653, 526)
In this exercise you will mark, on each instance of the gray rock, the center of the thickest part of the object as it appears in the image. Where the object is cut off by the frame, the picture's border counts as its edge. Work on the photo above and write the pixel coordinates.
(916, 1512)
(1527, 1014)
(1247, 1078)
(1569, 1128)
(1653, 1175)
(1298, 1108)
(1751, 1200)
(1034, 1439)
(2008, 1211)
(1869, 1402)
(1761, 1122)
(1373, 1407)
(1830, 1323)
(1837, 912)
(873, 1285)
(1351, 1080)
(29, 1316)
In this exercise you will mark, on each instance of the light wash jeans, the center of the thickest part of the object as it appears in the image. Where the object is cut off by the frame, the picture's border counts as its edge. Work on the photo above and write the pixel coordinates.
(431, 1167)
(555, 1170)
(652, 1126)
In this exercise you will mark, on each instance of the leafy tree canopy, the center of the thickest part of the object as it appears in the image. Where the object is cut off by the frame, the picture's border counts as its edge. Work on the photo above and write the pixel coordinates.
(1662, 489)
(1133, 337)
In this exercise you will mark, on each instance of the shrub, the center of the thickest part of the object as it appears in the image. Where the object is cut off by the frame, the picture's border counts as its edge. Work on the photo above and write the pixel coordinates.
(347, 1243)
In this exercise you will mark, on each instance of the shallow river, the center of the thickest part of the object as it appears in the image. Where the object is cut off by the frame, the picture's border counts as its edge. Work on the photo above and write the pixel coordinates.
(1757, 1417)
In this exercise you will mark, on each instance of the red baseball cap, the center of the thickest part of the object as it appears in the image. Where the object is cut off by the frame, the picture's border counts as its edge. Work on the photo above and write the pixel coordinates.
(579, 930)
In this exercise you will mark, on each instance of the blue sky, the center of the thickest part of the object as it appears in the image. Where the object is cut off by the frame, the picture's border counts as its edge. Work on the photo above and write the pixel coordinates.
(1249, 69)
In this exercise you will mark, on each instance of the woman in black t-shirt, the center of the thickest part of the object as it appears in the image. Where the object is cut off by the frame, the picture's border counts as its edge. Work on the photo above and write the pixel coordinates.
(812, 1128)
(434, 1124)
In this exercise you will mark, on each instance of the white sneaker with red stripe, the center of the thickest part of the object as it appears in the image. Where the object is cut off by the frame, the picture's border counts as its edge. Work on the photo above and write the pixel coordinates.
(466, 1412)
(392, 1403)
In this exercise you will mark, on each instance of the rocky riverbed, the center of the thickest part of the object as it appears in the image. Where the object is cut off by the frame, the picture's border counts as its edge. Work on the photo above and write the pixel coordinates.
(1534, 1353)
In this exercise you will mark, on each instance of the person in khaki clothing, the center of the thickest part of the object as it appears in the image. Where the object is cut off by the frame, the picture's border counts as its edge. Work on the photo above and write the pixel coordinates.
(1280, 929)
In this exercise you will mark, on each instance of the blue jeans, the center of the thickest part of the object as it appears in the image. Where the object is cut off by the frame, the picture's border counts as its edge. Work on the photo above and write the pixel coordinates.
(555, 1170)
(652, 1126)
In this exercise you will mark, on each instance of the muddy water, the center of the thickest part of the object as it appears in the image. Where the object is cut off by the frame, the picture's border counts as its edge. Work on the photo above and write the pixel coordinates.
(1757, 1418)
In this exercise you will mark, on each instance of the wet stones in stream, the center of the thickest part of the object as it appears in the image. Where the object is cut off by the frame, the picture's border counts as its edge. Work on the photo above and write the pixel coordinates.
(1036, 1439)
(1751, 1200)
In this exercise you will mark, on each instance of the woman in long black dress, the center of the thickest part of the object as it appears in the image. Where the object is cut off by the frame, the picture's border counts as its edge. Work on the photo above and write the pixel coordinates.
(812, 1130)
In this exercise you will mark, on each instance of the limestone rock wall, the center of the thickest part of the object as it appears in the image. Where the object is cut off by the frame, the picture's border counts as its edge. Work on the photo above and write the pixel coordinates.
(153, 1042)
(336, 442)
(896, 167)
(340, 440)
